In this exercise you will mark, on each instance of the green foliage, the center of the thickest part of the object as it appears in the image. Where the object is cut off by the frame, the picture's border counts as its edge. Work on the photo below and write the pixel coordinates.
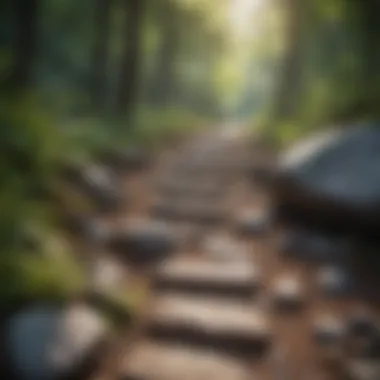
(34, 146)
(32, 149)
(338, 60)
(155, 127)
(54, 277)
(48, 272)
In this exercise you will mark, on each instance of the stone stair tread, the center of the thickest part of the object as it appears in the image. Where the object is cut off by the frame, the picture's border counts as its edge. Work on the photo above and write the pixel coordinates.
(208, 268)
(205, 321)
(210, 313)
(176, 183)
(201, 211)
(208, 272)
(152, 361)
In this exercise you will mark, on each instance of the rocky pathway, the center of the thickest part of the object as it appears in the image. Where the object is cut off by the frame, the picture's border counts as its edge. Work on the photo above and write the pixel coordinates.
(230, 297)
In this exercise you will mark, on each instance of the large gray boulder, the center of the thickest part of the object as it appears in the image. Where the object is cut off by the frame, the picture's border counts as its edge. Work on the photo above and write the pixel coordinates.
(47, 342)
(332, 179)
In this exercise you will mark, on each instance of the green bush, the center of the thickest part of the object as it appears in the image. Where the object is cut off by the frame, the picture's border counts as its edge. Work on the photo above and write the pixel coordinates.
(34, 145)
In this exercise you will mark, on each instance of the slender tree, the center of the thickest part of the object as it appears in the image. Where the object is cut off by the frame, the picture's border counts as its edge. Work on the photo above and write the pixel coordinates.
(290, 76)
(100, 53)
(131, 57)
(164, 79)
(25, 42)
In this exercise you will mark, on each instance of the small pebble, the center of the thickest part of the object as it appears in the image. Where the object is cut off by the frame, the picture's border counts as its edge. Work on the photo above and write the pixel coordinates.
(328, 330)
(334, 281)
(288, 294)
(253, 224)
(361, 324)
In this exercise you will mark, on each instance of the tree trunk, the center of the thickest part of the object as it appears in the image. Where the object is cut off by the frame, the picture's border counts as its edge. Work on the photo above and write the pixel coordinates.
(129, 75)
(291, 67)
(164, 80)
(24, 53)
(100, 53)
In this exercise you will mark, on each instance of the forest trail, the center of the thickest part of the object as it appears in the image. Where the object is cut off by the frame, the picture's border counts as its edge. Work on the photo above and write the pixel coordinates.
(228, 304)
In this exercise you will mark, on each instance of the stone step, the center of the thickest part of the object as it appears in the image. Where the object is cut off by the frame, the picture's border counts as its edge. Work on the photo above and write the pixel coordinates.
(237, 279)
(195, 179)
(152, 361)
(222, 246)
(189, 188)
(214, 168)
(227, 326)
(197, 212)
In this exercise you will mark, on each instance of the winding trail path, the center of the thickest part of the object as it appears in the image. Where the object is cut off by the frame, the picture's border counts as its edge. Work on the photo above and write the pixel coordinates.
(228, 305)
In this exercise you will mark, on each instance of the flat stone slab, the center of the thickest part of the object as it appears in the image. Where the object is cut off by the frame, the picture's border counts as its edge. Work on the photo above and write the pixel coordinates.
(198, 212)
(228, 326)
(183, 188)
(150, 361)
(223, 247)
(240, 279)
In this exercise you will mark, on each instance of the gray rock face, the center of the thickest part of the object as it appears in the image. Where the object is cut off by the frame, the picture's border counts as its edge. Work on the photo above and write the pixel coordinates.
(46, 342)
(144, 242)
(333, 176)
